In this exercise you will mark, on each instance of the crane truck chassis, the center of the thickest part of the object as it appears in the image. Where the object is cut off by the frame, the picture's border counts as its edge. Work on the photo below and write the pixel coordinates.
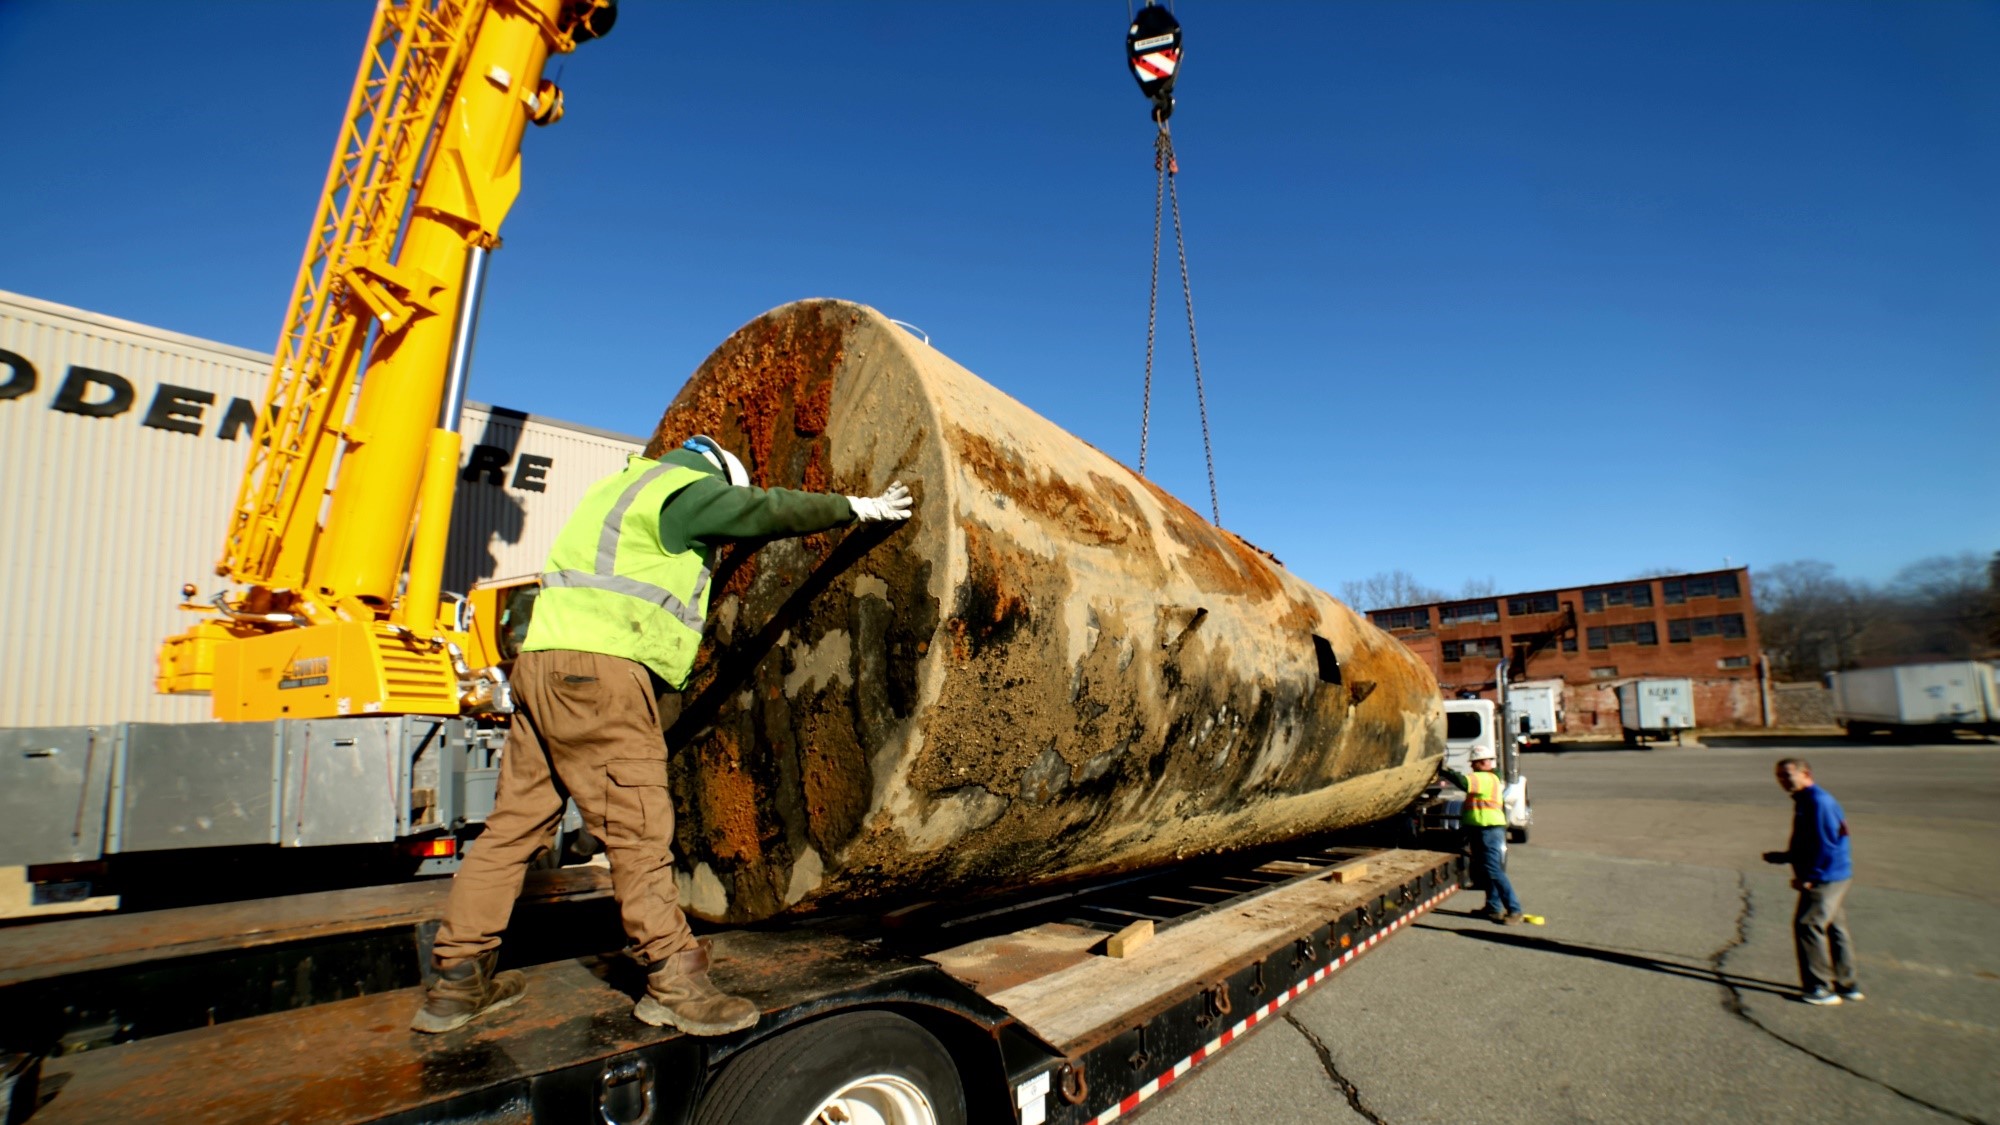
(1045, 1008)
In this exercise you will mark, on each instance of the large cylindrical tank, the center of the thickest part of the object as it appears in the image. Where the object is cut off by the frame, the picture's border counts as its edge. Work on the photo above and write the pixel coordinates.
(1053, 670)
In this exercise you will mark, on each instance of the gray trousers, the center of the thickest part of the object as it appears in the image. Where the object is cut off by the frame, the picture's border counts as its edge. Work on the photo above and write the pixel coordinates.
(1819, 930)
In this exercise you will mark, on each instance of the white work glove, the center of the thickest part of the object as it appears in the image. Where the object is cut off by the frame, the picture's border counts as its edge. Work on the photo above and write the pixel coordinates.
(893, 504)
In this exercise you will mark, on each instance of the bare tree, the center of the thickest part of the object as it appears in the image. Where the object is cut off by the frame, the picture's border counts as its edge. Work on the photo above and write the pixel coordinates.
(1811, 619)
(1659, 572)
(1938, 608)
(1479, 588)
(1388, 589)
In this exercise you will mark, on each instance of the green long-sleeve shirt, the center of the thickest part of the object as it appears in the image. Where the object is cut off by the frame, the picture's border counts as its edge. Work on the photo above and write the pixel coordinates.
(712, 511)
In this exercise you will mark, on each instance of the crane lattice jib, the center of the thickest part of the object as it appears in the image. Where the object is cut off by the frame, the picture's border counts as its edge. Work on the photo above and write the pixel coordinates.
(416, 48)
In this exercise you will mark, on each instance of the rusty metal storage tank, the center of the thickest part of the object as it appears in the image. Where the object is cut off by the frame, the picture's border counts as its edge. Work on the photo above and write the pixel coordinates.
(1053, 670)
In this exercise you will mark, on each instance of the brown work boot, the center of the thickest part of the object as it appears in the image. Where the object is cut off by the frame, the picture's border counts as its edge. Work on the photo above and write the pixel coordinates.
(678, 994)
(1513, 918)
(466, 991)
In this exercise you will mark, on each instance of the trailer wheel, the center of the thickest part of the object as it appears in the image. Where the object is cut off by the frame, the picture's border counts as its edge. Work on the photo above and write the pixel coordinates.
(863, 1068)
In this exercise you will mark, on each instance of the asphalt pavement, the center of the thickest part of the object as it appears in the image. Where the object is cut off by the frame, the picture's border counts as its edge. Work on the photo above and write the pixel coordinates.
(1663, 987)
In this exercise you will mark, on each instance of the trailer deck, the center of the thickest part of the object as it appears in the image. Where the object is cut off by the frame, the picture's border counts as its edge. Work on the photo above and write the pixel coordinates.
(1044, 1025)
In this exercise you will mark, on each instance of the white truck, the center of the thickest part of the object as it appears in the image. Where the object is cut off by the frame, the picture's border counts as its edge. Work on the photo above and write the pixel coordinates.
(1472, 730)
(1913, 698)
(1539, 706)
(1655, 709)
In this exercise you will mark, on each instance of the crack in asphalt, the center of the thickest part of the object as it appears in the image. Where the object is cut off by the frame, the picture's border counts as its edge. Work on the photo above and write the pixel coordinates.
(1733, 1003)
(1333, 1072)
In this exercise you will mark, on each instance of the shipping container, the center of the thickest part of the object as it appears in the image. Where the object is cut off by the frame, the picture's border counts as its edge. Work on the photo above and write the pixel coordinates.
(121, 447)
(1955, 694)
(1655, 708)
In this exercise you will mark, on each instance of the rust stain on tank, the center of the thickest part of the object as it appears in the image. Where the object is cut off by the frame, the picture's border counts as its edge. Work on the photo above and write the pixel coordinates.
(728, 801)
(1048, 498)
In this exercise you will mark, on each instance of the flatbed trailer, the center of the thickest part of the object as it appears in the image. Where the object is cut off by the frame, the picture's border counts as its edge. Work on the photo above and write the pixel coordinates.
(1018, 1004)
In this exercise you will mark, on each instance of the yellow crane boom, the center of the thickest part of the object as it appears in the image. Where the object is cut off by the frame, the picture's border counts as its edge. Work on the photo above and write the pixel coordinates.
(368, 379)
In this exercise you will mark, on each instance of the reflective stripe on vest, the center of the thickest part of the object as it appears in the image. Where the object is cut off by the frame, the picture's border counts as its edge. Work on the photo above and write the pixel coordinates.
(653, 607)
(1482, 801)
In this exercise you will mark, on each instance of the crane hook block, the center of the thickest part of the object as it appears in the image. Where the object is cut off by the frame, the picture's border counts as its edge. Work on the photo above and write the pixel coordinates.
(1153, 47)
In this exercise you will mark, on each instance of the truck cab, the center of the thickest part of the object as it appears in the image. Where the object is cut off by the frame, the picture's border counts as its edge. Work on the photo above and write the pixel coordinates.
(1473, 730)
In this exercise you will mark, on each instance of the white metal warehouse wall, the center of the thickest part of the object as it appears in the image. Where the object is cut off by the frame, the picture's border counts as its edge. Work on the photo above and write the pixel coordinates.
(115, 486)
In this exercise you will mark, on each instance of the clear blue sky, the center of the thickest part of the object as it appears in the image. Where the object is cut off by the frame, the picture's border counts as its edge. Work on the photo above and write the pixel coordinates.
(1546, 292)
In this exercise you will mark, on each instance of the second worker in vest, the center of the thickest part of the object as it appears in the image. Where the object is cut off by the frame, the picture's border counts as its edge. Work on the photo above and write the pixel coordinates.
(623, 602)
(1485, 820)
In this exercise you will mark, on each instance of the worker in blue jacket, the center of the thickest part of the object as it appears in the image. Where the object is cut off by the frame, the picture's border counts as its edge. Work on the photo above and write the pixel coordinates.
(1821, 870)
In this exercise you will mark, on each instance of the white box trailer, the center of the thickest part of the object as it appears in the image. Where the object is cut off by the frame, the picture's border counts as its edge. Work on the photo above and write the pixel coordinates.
(1650, 709)
(1960, 694)
(1540, 704)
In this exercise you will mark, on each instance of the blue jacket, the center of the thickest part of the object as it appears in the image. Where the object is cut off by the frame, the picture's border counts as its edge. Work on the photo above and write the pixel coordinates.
(1819, 850)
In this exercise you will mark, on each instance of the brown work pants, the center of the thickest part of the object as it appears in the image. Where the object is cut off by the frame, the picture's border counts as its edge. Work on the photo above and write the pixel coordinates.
(588, 727)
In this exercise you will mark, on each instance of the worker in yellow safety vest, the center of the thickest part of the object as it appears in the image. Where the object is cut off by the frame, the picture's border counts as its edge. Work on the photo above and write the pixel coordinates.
(620, 616)
(1485, 819)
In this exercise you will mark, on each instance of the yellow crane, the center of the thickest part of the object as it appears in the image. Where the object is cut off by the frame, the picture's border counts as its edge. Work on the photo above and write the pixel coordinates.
(368, 384)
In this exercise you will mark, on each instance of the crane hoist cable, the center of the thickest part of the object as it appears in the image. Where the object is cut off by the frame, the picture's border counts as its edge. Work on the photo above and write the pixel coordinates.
(1153, 50)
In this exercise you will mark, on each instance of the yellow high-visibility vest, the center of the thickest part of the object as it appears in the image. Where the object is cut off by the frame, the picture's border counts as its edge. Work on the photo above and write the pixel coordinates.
(610, 586)
(1482, 802)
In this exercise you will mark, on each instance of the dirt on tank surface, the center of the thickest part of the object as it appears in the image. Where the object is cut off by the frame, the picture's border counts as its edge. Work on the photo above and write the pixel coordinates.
(1053, 670)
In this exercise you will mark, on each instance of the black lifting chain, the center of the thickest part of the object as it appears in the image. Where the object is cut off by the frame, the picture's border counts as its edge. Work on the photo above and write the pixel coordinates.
(1164, 192)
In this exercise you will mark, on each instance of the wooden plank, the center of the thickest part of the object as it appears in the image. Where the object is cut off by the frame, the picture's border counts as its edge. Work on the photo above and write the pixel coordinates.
(994, 964)
(51, 949)
(1349, 873)
(1070, 1004)
(1128, 941)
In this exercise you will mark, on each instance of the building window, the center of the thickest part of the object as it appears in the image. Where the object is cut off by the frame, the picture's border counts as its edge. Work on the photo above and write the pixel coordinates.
(1418, 618)
(1642, 633)
(1569, 643)
(1468, 613)
(1676, 591)
(1476, 648)
(1604, 673)
(1595, 601)
(1531, 603)
(1733, 662)
(1688, 628)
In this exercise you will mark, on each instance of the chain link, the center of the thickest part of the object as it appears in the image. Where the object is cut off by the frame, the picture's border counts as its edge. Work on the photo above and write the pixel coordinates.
(1160, 149)
(1168, 168)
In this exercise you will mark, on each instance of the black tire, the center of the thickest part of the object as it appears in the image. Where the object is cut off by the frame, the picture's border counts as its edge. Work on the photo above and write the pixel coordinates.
(785, 1078)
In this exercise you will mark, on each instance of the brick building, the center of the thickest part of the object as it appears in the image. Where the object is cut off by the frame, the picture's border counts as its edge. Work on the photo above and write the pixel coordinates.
(1592, 638)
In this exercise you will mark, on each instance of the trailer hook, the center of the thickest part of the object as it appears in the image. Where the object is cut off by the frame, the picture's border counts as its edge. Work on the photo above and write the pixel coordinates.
(1140, 1057)
(1257, 986)
(1218, 998)
(619, 1073)
(1307, 951)
(1071, 1084)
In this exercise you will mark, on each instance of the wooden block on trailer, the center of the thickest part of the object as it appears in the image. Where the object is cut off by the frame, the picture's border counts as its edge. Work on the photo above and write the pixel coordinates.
(1127, 941)
(1349, 873)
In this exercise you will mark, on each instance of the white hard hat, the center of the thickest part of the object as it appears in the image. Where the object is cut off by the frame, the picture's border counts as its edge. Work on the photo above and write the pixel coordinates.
(719, 457)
